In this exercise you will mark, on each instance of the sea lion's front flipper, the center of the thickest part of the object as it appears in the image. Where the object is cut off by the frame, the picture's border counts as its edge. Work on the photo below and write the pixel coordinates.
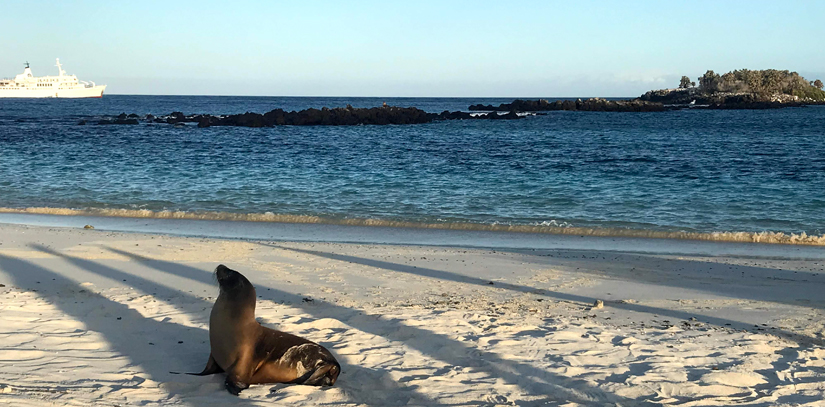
(211, 368)
(238, 375)
(234, 386)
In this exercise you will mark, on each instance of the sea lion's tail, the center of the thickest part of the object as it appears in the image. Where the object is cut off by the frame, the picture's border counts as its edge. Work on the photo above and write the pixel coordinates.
(211, 368)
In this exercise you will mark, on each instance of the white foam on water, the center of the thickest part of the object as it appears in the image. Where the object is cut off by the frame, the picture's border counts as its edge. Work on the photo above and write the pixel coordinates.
(550, 227)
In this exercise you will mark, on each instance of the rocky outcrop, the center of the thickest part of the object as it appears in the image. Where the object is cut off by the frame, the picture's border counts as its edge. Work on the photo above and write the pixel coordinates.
(676, 96)
(122, 118)
(347, 116)
(753, 102)
(589, 105)
(174, 118)
(518, 105)
(655, 101)
(694, 98)
(448, 115)
(604, 105)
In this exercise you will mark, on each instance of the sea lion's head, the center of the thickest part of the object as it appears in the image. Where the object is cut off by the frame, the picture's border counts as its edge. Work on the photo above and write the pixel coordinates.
(232, 283)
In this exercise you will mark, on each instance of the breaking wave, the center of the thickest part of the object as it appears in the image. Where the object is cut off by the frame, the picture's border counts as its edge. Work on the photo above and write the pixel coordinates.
(551, 227)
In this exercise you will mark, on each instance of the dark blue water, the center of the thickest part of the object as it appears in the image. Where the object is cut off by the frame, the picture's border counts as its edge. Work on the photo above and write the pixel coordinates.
(699, 171)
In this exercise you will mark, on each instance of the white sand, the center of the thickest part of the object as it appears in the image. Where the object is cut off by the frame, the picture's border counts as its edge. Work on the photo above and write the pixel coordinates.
(109, 318)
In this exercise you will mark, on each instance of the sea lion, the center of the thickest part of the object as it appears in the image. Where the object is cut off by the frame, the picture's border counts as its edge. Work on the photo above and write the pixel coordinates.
(252, 354)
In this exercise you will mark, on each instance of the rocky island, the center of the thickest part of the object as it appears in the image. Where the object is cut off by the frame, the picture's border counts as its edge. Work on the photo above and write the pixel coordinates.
(739, 89)
(742, 89)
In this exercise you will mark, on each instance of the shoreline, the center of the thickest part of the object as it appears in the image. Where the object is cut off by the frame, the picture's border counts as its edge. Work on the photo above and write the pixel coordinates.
(129, 220)
(407, 321)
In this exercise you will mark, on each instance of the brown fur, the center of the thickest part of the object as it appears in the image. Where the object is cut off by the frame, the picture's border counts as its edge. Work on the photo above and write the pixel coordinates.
(253, 354)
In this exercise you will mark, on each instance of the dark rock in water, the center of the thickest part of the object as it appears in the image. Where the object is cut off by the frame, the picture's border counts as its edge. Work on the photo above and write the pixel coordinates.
(591, 105)
(321, 117)
(530, 105)
(482, 107)
(347, 116)
(448, 115)
(133, 116)
(517, 105)
(176, 117)
(676, 96)
(511, 115)
(81, 123)
(118, 121)
(122, 116)
(751, 102)
(634, 105)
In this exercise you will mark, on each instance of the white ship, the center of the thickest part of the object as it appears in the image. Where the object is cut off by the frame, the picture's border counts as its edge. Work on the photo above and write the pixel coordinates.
(27, 85)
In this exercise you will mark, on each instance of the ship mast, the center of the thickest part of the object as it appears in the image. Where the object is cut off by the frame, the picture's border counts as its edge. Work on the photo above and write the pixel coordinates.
(59, 68)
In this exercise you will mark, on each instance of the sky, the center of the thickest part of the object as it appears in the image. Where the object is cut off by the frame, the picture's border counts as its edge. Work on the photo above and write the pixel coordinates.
(411, 48)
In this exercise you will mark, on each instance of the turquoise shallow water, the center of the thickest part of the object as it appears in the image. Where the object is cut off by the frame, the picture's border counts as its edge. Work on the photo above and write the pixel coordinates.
(693, 171)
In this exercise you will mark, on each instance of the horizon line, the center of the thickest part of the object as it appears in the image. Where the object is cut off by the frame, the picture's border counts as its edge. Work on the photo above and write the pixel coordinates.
(375, 97)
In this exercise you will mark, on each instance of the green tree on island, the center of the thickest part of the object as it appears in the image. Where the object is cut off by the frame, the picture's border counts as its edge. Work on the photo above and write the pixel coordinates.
(818, 84)
(709, 82)
(686, 83)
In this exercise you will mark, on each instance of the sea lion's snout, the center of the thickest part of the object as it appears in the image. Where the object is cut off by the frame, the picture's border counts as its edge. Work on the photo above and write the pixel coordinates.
(229, 279)
(223, 273)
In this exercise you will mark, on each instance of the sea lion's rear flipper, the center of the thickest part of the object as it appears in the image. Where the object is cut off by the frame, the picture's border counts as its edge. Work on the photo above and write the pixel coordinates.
(324, 375)
(211, 368)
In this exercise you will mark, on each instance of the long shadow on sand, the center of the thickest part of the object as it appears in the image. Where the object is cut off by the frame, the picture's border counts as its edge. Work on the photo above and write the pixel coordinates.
(583, 300)
(731, 280)
(152, 345)
(555, 388)
(166, 354)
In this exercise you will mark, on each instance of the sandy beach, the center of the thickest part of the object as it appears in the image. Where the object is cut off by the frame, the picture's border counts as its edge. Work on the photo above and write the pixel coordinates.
(100, 317)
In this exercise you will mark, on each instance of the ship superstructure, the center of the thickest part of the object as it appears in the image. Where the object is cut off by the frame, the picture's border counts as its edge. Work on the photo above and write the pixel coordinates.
(26, 85)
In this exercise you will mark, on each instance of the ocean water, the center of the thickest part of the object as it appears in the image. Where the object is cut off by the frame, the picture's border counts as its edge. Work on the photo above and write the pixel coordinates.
(716, 175)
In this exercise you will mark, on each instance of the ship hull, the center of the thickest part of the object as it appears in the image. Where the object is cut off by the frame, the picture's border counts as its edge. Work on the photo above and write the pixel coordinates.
(74, 93)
